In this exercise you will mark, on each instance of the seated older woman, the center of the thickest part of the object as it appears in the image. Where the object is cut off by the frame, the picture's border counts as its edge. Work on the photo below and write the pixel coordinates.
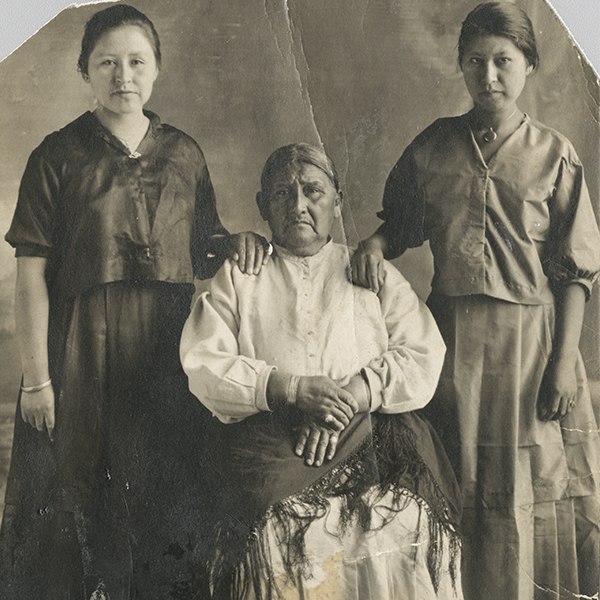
(328, 485)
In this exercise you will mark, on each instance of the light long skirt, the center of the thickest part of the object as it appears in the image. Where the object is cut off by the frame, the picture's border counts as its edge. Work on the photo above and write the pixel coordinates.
(386, 563)
(530, 487)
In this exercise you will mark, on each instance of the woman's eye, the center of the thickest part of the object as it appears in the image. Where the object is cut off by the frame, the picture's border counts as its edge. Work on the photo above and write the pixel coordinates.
(503, 61)
(281, 193)
(136, 62)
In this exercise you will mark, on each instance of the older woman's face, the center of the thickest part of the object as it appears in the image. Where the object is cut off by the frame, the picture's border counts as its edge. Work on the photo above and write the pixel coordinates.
(122, 69)
(301, 207)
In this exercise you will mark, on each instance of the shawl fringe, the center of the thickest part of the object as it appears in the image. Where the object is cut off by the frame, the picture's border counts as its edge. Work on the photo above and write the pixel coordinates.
(388, 460)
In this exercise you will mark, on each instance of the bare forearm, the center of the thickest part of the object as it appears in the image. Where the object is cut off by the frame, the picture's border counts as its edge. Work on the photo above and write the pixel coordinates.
(31, 316)
(374, 243)
(558, 393)
(570, 305)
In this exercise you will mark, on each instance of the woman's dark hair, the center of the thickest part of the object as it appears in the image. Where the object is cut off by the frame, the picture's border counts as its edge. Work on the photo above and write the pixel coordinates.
(295, 154)
(503, 19)
(110, 18)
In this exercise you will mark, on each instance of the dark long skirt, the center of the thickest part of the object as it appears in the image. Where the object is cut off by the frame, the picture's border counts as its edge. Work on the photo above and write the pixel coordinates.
(116, 507)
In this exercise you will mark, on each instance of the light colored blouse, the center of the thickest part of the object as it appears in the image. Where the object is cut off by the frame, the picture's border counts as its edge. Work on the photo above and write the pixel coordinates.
(302, 315)
(507, 228)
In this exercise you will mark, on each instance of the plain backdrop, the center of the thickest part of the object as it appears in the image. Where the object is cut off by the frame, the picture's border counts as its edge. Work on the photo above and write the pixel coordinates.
(244, 77)
(19, 19)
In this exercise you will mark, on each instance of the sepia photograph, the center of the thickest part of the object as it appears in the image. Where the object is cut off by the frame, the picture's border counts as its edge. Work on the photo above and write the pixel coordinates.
(299, 299)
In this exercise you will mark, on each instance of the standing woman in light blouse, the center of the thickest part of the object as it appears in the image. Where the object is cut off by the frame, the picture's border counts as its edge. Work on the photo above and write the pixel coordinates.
(116, 216)
(503, 202)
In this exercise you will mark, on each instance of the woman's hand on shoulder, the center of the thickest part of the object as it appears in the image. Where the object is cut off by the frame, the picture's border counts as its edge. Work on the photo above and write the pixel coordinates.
(316, 442)
(558, 392)
(37, 409)
(367, 263)
(250, 250)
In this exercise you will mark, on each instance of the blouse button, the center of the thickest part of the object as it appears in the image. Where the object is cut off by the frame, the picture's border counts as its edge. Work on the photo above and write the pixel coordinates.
(146, 253)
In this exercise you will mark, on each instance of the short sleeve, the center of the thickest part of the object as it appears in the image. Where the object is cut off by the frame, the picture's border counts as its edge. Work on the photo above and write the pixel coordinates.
(31, 230)
(403, 213)
(574, 251)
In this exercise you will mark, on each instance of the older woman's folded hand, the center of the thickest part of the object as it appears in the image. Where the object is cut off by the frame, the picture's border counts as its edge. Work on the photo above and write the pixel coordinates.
(323, 401)
(316, 443)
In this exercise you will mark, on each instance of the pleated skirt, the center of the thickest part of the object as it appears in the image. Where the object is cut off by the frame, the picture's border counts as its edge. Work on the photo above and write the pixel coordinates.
(530, 523)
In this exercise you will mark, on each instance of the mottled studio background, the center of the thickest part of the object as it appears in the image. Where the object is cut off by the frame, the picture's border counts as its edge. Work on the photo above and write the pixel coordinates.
(244, 77)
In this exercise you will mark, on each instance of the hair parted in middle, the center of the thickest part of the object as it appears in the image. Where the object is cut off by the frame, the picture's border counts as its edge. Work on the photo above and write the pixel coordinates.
(503, 19)
(110, 18)
(293, 154)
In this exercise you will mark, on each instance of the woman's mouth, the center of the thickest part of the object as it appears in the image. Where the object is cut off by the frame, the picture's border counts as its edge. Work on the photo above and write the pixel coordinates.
(298, 223)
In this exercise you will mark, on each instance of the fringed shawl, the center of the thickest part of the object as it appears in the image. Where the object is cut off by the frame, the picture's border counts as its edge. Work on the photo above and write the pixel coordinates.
(260, 478)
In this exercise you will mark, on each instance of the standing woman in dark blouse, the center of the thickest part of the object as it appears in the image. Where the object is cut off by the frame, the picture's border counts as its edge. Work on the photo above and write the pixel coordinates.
(503, 202)
(116, 215)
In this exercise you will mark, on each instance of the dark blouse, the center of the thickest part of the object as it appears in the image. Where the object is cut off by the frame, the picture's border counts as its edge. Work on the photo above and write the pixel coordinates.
(511, 228)
(99, 215)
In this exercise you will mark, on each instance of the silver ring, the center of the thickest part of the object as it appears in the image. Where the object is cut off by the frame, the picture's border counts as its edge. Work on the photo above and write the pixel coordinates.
(329, 419)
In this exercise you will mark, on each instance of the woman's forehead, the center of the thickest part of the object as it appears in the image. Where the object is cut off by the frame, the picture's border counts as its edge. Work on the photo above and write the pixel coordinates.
(130, 35)
(495, 44)
(301, 172)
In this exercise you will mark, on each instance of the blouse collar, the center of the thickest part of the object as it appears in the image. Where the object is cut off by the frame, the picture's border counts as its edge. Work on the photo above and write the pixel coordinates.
(466, 118)
(95, 127)
(323, 254)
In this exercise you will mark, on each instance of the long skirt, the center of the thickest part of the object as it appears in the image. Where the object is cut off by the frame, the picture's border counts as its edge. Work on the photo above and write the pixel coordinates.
(387, 562)
(115, 506)
(530, 525)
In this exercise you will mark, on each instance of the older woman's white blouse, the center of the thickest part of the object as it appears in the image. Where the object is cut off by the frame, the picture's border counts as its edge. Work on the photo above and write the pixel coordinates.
(303, 315)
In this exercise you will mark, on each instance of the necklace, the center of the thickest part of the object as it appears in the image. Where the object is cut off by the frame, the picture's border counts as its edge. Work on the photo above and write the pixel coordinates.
(490, 135)
(127, 141)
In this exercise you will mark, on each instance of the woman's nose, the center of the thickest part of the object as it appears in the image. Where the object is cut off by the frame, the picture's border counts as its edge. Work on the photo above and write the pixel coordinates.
(297, 201)
(489, 74)
(123, 73)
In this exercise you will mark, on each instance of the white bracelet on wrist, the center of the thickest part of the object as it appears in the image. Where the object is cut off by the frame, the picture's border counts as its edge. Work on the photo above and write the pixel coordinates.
(31, 389)
(292, 390)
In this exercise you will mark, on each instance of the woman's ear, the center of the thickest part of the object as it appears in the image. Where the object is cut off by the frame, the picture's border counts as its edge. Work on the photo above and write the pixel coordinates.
(263, 206)
(337, 209)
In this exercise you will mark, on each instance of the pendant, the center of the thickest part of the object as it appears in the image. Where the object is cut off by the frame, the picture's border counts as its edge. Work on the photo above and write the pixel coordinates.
(490, 136)
(137, 154)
